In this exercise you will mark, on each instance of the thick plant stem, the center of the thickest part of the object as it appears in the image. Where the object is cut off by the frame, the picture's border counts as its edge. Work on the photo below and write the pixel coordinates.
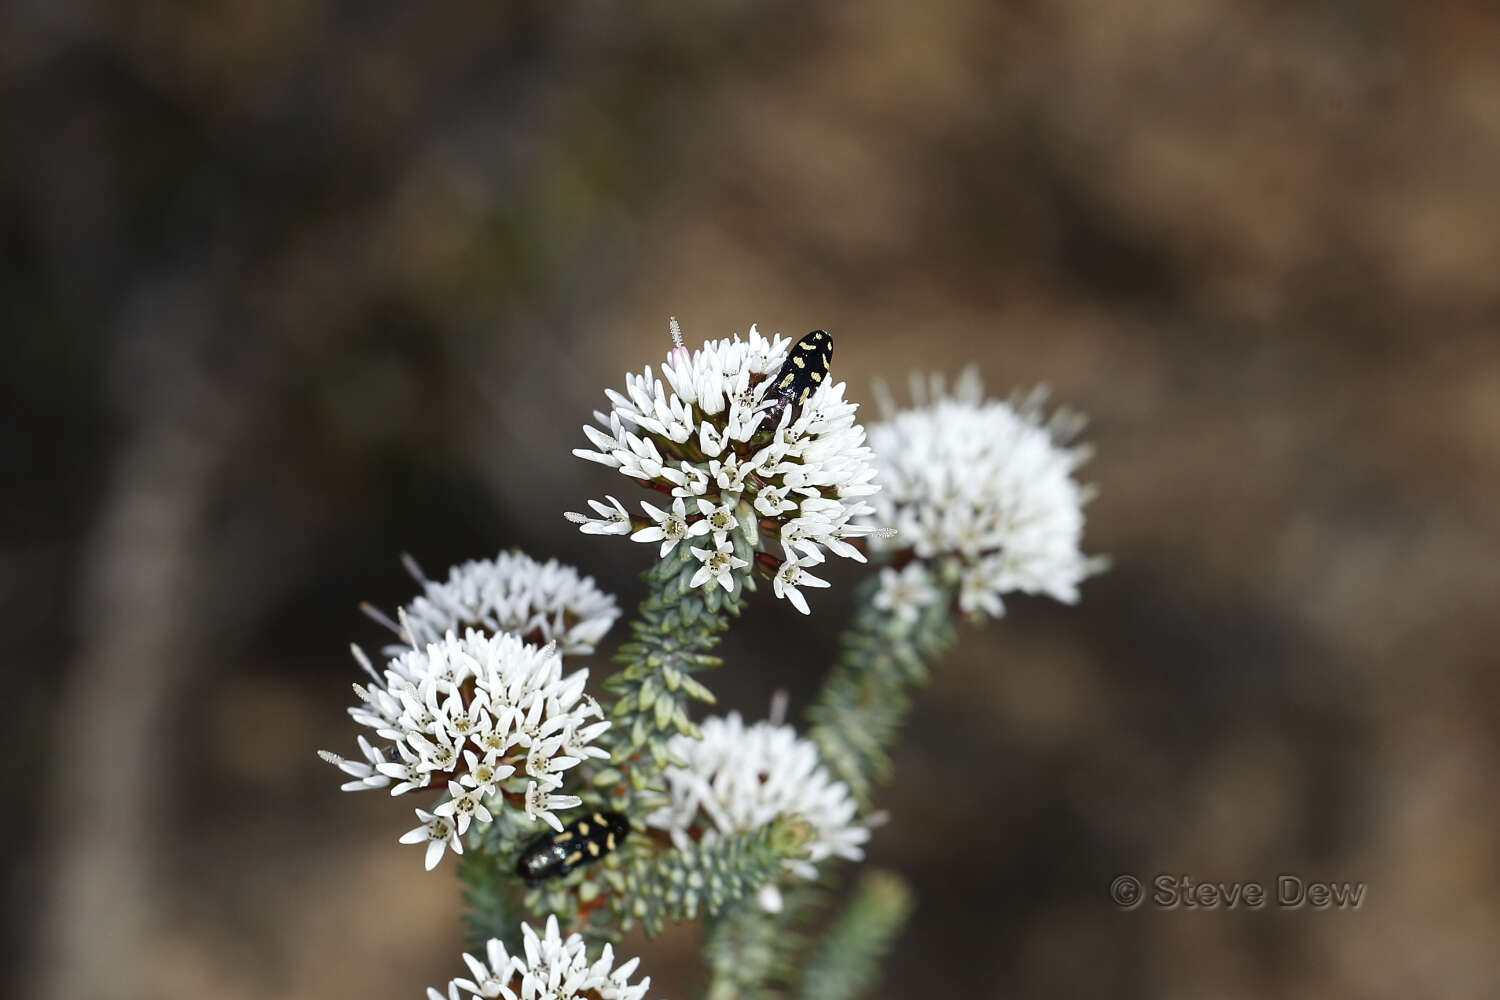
(676, 627)
(866, 697)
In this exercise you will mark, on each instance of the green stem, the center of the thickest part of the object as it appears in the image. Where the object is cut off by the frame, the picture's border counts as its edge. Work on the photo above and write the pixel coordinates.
(491, 906)
(855, 720)
(755, 955)
(704, 876)
(866, 697)
(675, 628)
(847, 960)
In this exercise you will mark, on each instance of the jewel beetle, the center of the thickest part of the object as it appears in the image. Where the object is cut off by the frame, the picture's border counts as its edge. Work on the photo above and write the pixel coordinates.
(805, 368)
(581, 842)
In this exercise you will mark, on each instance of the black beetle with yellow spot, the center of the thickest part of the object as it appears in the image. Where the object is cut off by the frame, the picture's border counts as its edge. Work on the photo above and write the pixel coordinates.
(581, 842)
(805, 368)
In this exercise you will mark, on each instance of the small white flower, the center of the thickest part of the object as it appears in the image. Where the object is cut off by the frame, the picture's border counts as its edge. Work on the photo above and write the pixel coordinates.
(579, 741)
(545, 763)
(611, 520)
(464, 715)
(407, 770)
(550, 968)
(484, 773)
(905, 593)
(793, 574)
(719, 565)
(540, 803)
(366, 773)
(740, 777)
(694, 482)
(672, 526)
(465, 806)
(438, 833)
(697, 431)
(773, 501)
(729, 475)
(720, 519)
(984, 493)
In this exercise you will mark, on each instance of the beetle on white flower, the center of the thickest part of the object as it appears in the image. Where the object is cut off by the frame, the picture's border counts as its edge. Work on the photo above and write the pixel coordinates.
(704, 429)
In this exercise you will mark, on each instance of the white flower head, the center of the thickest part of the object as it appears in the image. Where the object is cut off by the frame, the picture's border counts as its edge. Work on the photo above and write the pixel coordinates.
(983, 492)
(550, 967)
(481, 717)
(740, 777)
(700, 431)
(542, 602)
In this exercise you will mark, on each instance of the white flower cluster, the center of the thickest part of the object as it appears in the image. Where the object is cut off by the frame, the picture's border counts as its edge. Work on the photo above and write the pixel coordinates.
(740, 777)
(553, 968)
(983, 492)
(465, 715)
(699, 434)
(542, 602)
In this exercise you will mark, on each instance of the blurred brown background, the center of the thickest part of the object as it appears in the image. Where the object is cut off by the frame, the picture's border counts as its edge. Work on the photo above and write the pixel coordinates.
(291, 288)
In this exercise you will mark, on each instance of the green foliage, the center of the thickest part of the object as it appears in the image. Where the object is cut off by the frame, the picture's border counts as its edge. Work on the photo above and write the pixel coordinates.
(676, 627)
(755, 955)
(866, 697)
(848, 958)
(746, 954)
(491, 888)
(491, 909)
(706, 877)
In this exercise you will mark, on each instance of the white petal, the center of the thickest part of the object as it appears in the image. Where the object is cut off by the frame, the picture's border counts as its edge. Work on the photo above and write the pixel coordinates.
(798, 601)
